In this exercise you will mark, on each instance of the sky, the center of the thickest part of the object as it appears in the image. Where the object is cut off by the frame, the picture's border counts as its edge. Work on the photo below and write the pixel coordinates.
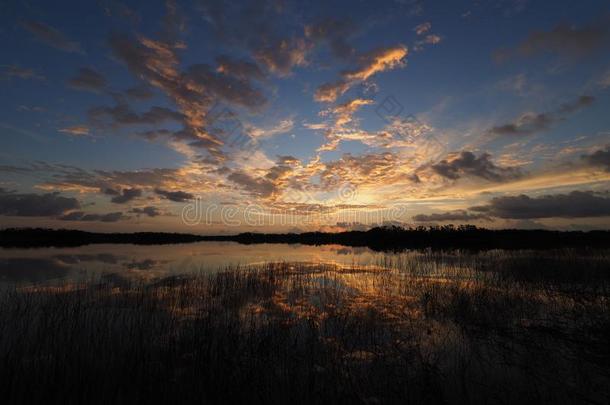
(219, 117)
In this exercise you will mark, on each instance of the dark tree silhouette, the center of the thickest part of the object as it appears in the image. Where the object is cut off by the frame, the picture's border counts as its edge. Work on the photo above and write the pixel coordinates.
(379, 238)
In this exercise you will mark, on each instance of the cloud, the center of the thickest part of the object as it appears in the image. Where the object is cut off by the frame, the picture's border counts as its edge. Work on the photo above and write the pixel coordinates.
(258, 186)
(422, 28)
(156, 63)
(125, 195)
(518, 84)
(196, 91)
(282, 55)
(63, 177)
(399, 132)
(112, 183)
(339, 129)
(287, 160)
(370, 63)
(88, 79)
(121, 114)
(255, 28)
(330, 92)
(282, 127)
(148, 211)
(457, 215)
(344, 112)
(600, 158)
(233, 89)
(51, 36)
(408, 131)
(372, 168)
(35, 205)
(351, 226)
(426, 38)
(377, 60)
(115, 8)
(432, 39)
(76, 130)
(83, 216)
(526, 124)
(240, 69)
(10, 71)
(156, 134)
(577, 204)
(287, 174)
(334, 32)
(466, 163)
(141, 92)
(531, 123)
(581, 102)
(174, 23)
(564, 40)
(31, 108)
(176, 196)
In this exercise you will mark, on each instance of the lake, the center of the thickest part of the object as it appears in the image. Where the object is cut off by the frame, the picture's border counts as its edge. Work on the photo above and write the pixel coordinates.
(52, 265)
(420, 326)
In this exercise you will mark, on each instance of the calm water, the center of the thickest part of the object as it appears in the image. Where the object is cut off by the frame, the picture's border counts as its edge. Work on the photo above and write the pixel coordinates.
(52, 265)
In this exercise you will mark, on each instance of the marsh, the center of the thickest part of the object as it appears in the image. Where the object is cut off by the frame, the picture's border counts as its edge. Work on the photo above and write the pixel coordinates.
(324, 325)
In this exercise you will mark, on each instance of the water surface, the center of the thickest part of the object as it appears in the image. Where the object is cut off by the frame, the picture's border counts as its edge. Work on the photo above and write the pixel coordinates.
(50, 265)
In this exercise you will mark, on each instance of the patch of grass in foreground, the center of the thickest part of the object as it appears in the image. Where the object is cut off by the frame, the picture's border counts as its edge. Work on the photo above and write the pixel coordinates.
(440, 329)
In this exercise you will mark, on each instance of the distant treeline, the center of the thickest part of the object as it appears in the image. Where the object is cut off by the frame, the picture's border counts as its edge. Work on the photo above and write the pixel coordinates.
(380, 238)
(39, 237)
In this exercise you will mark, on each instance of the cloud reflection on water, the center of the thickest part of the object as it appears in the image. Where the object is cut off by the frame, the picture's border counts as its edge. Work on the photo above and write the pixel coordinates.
(133, 261)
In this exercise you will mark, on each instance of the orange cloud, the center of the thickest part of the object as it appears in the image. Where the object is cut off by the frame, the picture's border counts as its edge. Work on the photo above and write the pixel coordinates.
(76, 130)
(378, 60)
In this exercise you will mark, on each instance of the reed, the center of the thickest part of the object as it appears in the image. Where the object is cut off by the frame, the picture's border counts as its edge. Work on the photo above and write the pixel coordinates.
(433, 327)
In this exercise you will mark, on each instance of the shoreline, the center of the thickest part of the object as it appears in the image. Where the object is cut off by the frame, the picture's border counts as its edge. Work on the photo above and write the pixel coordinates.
(378, 239)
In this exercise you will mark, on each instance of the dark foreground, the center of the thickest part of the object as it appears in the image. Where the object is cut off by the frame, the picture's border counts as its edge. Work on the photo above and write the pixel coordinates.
(380, 238)
(437, 327)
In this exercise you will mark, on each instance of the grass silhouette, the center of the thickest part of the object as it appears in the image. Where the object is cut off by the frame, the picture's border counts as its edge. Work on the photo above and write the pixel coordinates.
(433, 327)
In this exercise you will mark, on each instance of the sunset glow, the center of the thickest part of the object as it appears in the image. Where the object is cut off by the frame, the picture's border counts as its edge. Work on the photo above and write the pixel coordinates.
(333, 117)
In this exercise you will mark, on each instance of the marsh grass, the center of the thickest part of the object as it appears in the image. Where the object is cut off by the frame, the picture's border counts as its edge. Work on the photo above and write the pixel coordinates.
(432, 327)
